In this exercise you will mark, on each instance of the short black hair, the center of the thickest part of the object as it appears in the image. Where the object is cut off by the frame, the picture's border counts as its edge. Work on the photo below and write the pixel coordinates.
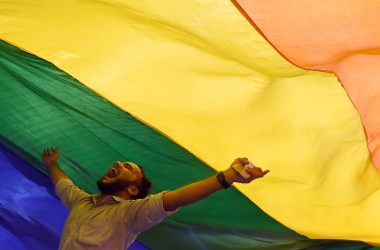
(143, 185)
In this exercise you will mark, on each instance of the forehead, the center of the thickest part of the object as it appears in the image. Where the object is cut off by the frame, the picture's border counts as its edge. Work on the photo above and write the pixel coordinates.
(134, 166)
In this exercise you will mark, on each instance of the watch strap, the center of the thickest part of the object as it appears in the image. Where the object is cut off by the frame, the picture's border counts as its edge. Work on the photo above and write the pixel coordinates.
(222, 180)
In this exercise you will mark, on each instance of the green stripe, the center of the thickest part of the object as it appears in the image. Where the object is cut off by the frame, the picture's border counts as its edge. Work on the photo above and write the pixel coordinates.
(41, 106)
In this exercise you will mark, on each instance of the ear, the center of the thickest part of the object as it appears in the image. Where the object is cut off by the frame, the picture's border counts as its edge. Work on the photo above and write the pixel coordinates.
(132, 190)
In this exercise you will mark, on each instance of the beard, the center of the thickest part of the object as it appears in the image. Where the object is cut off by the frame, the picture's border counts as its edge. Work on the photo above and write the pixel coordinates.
(112, 187)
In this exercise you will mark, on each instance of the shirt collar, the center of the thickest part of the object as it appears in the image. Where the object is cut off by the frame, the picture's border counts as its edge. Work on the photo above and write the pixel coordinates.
(108, 199)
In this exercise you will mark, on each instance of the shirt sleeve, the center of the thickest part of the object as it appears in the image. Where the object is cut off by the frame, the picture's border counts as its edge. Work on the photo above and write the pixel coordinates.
(144, 213)
(69, 194)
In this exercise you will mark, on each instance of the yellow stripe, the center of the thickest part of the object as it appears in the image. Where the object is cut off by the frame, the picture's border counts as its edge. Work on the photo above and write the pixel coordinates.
(199, 72)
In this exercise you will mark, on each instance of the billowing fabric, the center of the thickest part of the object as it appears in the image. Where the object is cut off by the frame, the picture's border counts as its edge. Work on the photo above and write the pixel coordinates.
(330, 35)
(92, 133)
(199, 73)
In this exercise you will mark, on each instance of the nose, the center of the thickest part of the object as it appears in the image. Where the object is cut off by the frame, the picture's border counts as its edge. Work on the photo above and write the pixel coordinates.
(119, 163)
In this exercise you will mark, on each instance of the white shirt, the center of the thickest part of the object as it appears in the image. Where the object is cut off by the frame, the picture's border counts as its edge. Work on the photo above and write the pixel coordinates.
(112, 224)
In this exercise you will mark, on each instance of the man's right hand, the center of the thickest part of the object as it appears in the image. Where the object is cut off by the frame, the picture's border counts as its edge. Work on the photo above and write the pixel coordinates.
(49, 158)
(231, 175)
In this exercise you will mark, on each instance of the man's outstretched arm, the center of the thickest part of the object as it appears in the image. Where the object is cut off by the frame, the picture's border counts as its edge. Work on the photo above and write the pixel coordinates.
(198, 190)
(49, 158)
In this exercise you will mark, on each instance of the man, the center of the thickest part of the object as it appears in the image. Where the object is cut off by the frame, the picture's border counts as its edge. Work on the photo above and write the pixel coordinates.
(113, 219)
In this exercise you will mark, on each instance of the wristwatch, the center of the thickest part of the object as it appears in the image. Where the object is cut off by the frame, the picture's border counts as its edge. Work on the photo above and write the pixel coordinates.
(222, 180)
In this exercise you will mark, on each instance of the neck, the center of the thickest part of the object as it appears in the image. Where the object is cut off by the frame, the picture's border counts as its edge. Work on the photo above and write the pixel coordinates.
(122, 194)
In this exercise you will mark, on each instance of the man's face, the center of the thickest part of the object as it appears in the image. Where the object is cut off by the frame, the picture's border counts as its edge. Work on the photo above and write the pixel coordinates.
(119, 177)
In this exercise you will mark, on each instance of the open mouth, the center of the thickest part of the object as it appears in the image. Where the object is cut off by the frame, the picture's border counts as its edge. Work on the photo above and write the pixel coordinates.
(113, 172)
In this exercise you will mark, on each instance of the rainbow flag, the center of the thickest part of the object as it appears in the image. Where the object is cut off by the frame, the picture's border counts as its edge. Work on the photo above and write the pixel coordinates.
(183, 88)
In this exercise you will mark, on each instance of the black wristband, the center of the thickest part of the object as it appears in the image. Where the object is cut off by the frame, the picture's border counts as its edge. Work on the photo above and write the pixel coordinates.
(222, 180)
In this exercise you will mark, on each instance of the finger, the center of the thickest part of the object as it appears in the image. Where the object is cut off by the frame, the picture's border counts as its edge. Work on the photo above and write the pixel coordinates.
(244, 160)
(236, 161)
(259, 169)
(255, 172)
(257, 175)
(265, 172)
(260, 174)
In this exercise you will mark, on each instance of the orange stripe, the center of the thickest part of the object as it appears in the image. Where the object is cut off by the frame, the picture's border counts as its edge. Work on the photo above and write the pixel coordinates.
(335, 36)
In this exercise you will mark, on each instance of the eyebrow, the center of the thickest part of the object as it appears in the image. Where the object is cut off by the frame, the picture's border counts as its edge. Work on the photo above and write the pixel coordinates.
(127, 165)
